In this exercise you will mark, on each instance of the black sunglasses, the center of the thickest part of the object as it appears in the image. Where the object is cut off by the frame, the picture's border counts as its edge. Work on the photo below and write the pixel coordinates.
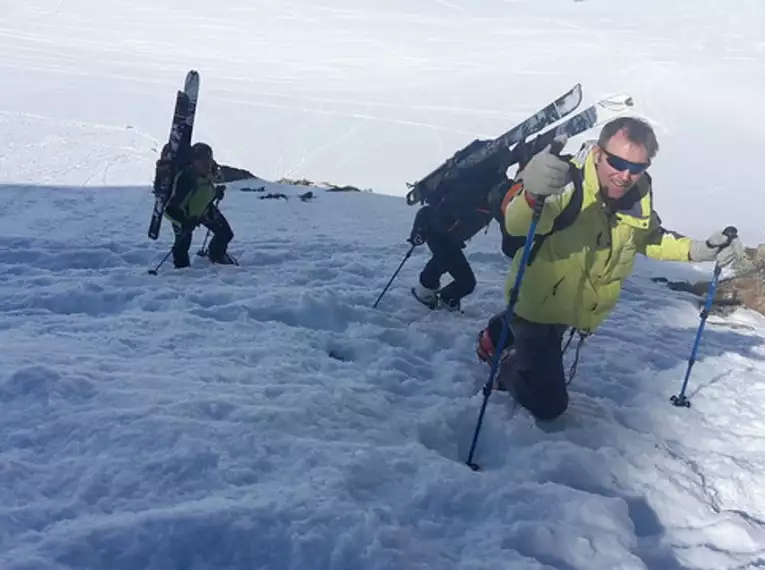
(621, 164)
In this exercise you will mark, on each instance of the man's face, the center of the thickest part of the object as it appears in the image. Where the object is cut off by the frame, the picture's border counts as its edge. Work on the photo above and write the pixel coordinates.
(203, 165)
(620, 165)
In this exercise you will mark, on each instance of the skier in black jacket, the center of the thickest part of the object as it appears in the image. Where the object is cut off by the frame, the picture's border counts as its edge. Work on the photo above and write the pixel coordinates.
(191, 203)
(454, 214)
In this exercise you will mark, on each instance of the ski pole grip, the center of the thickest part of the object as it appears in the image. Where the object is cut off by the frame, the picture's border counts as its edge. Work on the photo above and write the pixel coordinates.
(731, 233)
(556, 146)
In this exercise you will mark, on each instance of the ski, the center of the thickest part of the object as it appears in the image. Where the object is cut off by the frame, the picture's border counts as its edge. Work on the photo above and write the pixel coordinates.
(480, 151)
(165, 170)
(191, 88)
(593, 116)
(175, 151)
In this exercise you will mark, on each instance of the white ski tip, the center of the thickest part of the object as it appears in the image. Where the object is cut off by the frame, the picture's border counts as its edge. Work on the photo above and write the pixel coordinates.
(617, 102)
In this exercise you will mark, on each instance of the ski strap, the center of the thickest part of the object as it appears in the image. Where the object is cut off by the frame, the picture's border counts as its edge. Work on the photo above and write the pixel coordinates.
(582, 338)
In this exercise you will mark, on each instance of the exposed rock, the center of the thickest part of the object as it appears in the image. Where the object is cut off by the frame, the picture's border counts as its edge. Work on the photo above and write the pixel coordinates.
(327, 185)
(333, 188)
(298, 182)
(232, 174)
(744, 290)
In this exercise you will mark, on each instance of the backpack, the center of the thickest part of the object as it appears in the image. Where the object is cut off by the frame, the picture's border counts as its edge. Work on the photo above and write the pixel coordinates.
(512, 244)
(456, 184)
(460, 204)
(167, 168)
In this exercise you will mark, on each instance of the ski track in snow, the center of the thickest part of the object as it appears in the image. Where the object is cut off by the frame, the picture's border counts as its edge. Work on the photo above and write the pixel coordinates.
(195, 419)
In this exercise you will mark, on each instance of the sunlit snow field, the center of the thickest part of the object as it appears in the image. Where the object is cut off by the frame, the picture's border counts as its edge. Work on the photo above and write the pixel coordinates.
(195, 419)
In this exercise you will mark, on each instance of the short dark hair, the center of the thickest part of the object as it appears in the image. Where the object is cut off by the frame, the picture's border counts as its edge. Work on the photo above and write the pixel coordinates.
(201, 150)
(637, 130)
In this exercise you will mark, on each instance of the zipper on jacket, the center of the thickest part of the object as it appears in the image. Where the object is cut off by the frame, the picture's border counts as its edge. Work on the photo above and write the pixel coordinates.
(611, 221)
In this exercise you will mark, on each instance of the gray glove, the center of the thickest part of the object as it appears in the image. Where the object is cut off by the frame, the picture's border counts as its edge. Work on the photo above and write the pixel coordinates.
(546, 174)
(723, 247)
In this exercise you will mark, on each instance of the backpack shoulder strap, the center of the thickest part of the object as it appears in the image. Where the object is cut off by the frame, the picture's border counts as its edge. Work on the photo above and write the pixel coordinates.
(574, 207)
(568, 215)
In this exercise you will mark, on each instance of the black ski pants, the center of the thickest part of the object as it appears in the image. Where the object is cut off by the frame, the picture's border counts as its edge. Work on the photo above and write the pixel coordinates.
(533, 372)
(447, 258)
(214, 221)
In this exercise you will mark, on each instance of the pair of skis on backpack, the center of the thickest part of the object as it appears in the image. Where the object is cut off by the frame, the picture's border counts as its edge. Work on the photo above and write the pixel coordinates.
(175, 152)
(481, 151)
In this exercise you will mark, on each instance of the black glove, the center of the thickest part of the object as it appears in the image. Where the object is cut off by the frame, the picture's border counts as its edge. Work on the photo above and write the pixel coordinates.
(416, 237)
(419, 233)
(220, 189)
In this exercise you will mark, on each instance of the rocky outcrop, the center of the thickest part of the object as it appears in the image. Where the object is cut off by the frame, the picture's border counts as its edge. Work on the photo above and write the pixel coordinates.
(333, 188)
(743, 290)
(232, 174)
(296, 182)
(326, 185)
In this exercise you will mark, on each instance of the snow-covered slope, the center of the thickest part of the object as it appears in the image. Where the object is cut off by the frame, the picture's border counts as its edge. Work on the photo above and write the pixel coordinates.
(266, 416)
(195, 419)
(376, 93)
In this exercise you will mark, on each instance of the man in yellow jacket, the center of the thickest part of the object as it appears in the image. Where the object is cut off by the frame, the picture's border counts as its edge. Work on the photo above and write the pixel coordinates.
(576, 274)
(191, 204)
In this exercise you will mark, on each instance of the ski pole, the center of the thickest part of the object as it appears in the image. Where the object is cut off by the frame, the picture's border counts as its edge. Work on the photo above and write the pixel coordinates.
(202, 251)
(555, 148)
(161, 263)
(487, 388)
(408, 254)
(681, 400)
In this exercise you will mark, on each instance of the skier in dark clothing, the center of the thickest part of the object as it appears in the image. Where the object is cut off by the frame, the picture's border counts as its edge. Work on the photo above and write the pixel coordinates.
(447, 257)
(453, 215)
(191, 204)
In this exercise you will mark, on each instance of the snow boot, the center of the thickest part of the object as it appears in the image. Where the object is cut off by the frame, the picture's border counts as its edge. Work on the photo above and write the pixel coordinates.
(452, 305)
(484, 348)
(225, 259)
(427, 297)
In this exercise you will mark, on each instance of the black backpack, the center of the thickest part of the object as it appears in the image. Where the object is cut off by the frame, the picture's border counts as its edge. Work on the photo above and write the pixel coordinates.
(460, 205)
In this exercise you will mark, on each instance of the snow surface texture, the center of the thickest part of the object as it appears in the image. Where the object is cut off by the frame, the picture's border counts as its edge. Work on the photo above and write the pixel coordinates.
(376, 93)
(195, 419)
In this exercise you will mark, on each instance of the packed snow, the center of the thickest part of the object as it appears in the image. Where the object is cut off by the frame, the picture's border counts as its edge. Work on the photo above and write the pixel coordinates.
(267, 415)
